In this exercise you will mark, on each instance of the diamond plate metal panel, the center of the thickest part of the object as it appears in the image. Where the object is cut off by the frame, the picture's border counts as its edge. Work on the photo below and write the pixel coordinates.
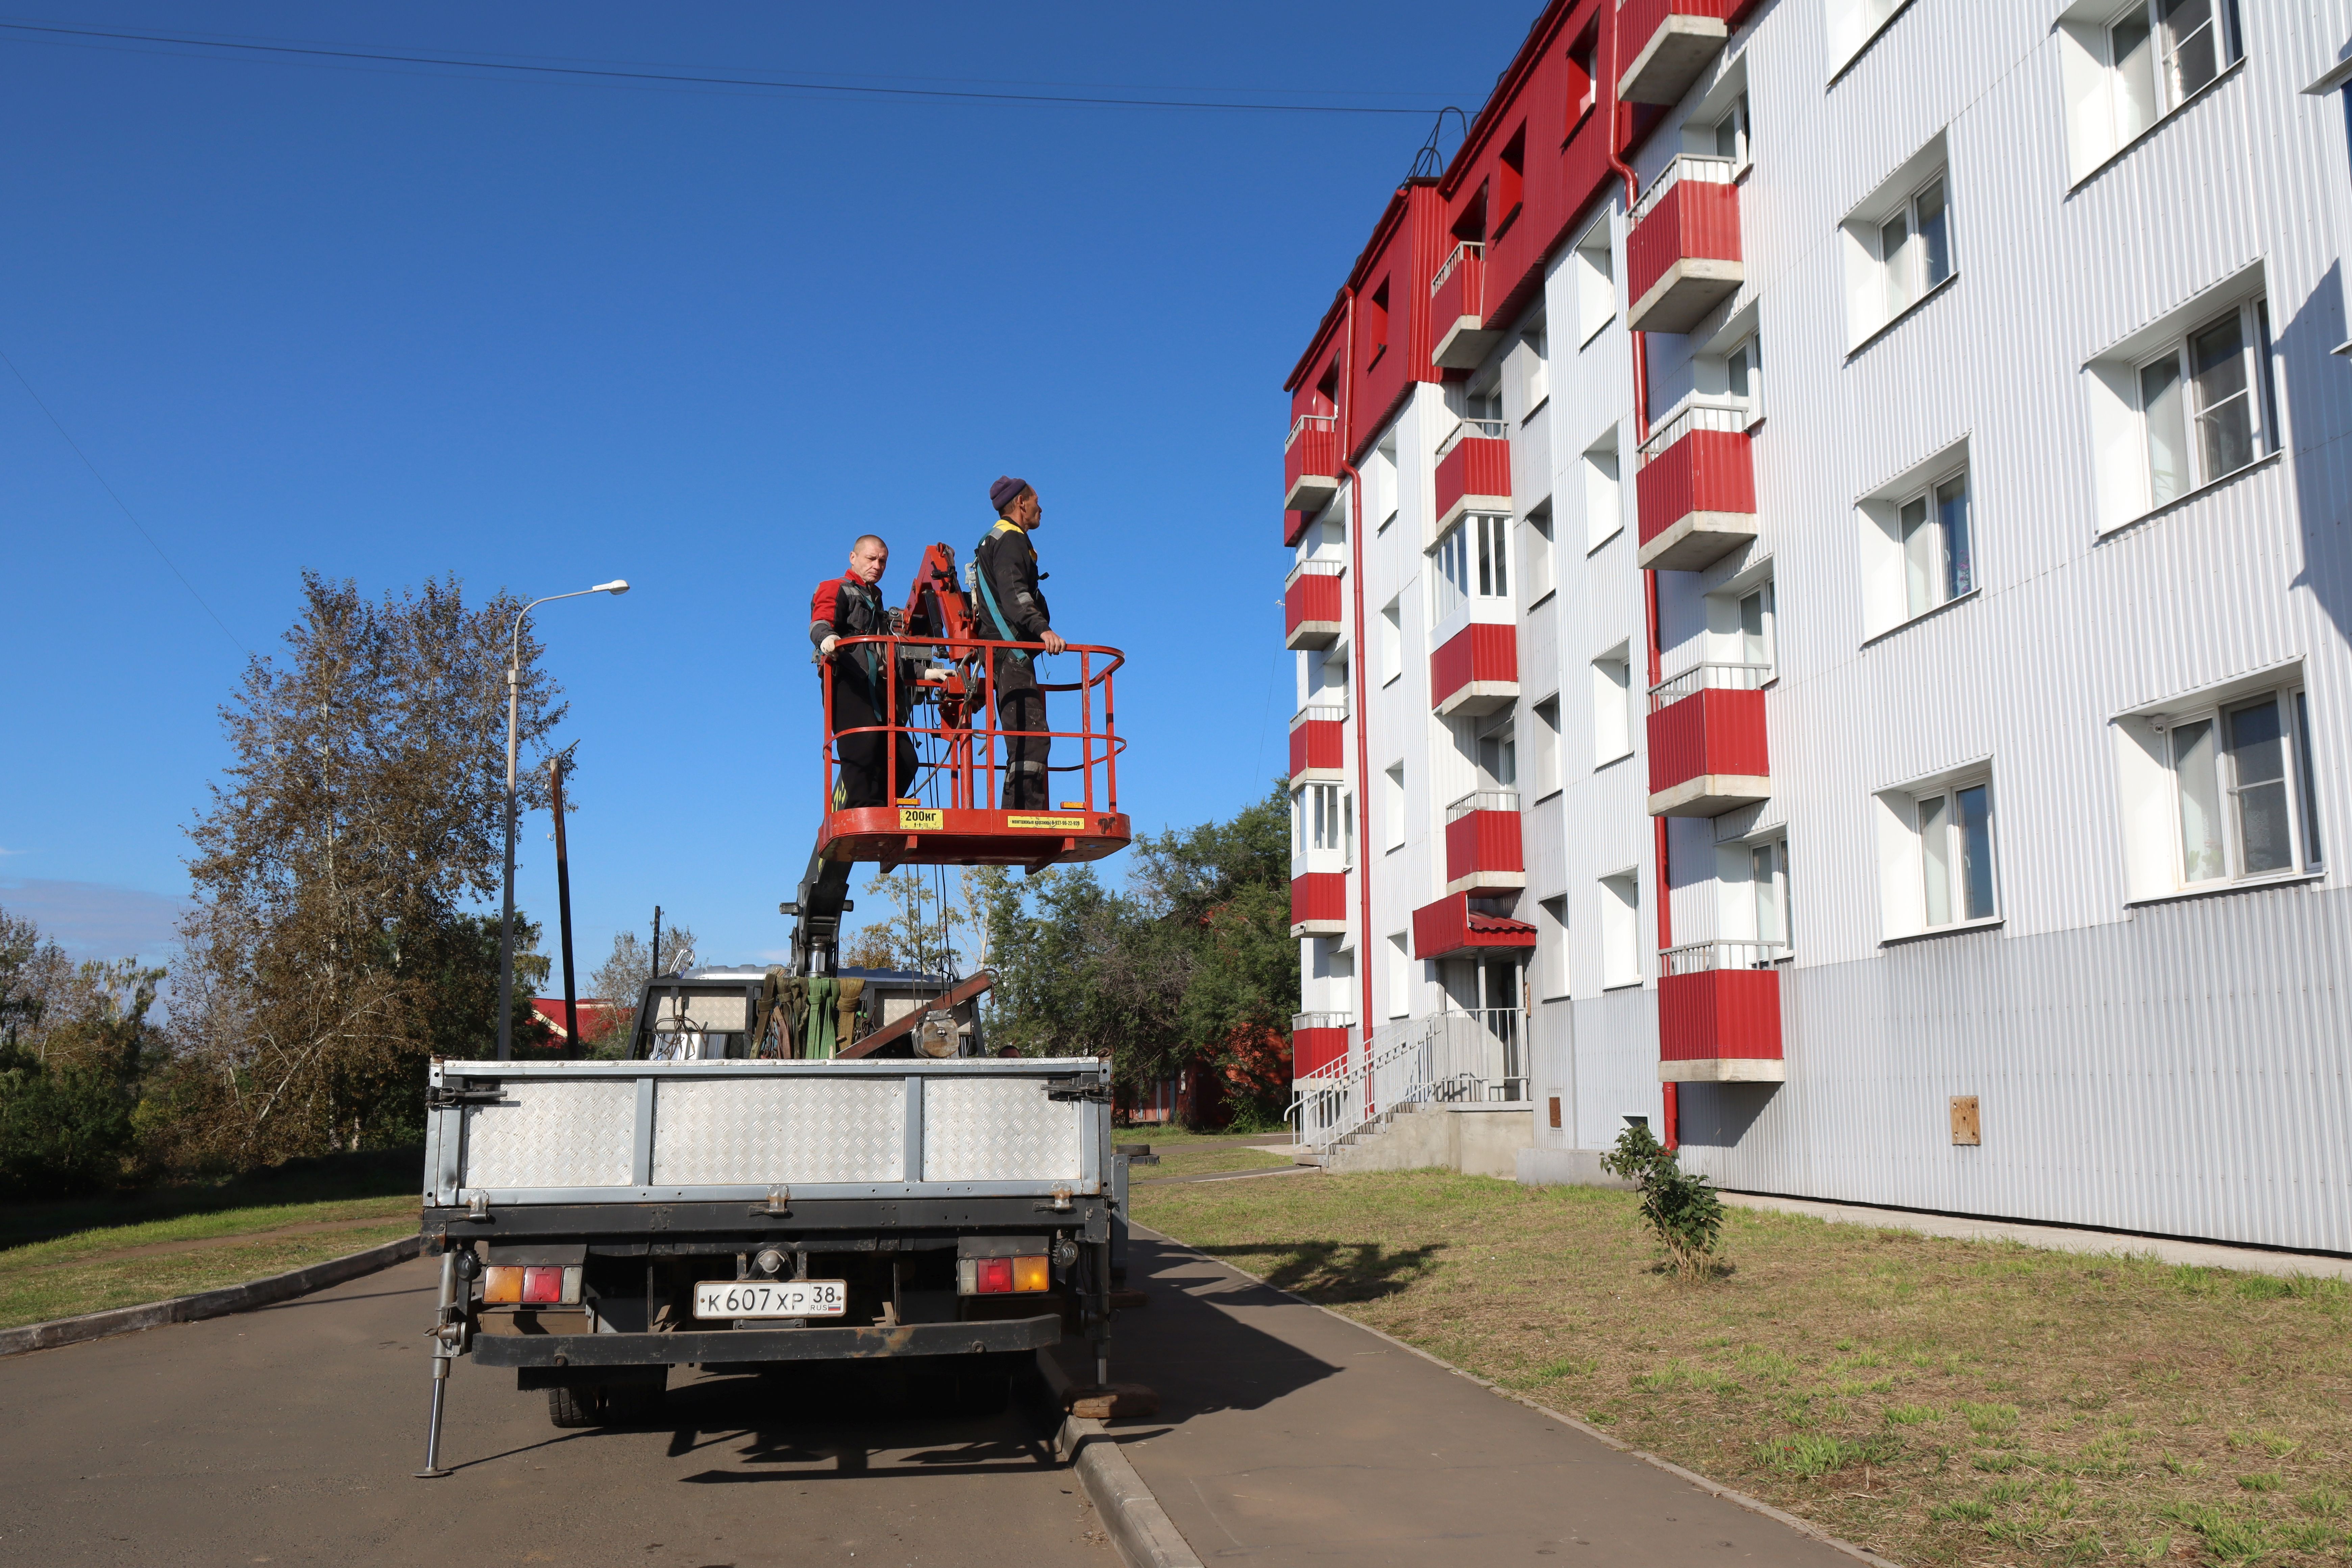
(739, 1131)
(986, 1130)
(554, 1135)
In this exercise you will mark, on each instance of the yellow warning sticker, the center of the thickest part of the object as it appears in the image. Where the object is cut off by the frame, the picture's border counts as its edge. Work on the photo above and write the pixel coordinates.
(1047, 824)
(920, 819)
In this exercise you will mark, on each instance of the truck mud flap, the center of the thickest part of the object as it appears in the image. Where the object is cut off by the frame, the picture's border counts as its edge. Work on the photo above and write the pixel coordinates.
(742, 1345)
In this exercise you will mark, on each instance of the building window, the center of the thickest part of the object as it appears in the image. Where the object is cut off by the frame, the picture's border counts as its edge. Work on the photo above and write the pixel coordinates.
(1535, 384)
(1915, 246)
(1473, 562)
(1400, 976)
(1852, 24)
(1539, 569)
(1621, 930)
(1498, 752)
(2163, 53)
(1323, 817)
(1767, 870)
(1376, 323)
(1612, 706)
(1393, 806)
(2206, 404)
(1547, 740)
(1604, 505)
(1937, 565)
(1899, 243)
(1596, 279)
(1583, 77)
(1955, 854)
(2242, 791)
(1391, 640)
(1380, 484)
(1743, 375)
(1551, 948)
(1731, 132)
(1756, 630)
(1510, 180)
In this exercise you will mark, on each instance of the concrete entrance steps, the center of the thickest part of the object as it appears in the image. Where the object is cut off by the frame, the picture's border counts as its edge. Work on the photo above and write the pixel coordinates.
(1478, 1139)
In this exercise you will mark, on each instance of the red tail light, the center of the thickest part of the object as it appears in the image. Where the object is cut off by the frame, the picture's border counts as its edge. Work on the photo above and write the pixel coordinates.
(542, 1285)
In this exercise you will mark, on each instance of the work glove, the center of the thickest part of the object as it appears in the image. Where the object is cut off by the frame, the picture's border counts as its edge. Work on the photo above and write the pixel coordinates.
(824, 649)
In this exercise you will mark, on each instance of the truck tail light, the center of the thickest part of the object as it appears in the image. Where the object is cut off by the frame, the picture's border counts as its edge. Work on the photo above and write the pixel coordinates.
(1001, 1276)
(504, 1285)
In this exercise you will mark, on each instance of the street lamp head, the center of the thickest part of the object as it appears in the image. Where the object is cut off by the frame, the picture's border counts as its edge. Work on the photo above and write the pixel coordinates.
(616, 587)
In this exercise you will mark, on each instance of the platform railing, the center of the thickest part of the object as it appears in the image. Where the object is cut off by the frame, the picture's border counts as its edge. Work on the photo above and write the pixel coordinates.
(1461, 253)
(1699, 168)
(1317, 567)
(950, 683)
(1325, 422)
(1475, 430)
(1695, 414)
(1482, 800)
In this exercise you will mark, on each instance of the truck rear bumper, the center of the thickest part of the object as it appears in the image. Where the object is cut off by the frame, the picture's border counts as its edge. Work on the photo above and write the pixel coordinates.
(701, 1347)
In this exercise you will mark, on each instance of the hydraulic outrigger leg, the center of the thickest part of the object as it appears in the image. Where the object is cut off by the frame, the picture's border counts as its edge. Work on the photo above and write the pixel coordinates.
(448, 1333)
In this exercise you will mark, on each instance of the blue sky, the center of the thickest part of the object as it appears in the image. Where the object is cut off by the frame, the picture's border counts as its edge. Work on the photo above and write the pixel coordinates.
(391, 322)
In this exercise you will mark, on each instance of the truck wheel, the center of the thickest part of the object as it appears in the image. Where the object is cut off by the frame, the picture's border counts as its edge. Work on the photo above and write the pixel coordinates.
(574, 1406)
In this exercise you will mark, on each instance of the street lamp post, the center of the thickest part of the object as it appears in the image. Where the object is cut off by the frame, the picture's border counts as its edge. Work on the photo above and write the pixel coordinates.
(514, 696)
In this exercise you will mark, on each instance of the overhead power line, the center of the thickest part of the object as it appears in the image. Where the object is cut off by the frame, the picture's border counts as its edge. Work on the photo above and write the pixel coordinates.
(42, 404)
(596, 73)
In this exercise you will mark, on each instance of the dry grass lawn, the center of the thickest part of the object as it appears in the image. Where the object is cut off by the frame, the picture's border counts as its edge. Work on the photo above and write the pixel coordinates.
(1935, 1401)
(124, 1266)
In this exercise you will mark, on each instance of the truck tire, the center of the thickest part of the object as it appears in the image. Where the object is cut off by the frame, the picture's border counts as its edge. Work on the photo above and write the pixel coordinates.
(580, 1406)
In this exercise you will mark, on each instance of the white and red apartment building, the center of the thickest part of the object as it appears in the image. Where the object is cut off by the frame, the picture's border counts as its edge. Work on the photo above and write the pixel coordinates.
(1907, 766)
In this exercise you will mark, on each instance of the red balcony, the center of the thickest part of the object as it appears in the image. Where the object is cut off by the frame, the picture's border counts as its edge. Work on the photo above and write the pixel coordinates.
(1310, 463)
(1719, 1013)
(1707, 740)
(1453, 925)
(1477, 671)
(1318, 751)
(1317, 1040)
(1318, 903)
(1668, 43)
(1682, 254)
(1473, 471)
(1695, 490)
(1310, 605)
(1457, 310)
(1482, 842)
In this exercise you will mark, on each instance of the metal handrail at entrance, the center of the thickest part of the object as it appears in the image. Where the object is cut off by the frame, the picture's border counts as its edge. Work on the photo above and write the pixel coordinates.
(1721, 953)
(1475, 1056)
(1711, 676)
(1699, 168)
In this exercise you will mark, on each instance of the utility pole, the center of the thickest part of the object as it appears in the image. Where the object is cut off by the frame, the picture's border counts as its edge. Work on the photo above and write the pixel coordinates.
(563, 907)
(656, 963)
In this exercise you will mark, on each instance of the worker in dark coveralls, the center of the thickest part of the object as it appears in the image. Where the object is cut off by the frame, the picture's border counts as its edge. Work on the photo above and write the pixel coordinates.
(850, 606)
(1012, 609)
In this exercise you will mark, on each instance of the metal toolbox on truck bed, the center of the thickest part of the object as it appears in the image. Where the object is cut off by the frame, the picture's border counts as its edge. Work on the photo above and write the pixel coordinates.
(573, 1133)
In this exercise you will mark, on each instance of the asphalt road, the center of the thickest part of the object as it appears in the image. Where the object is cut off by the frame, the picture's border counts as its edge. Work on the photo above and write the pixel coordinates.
(288, 1436)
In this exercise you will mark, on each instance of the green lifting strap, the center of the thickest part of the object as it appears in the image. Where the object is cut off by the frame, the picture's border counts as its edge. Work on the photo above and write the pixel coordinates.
(824, 1019)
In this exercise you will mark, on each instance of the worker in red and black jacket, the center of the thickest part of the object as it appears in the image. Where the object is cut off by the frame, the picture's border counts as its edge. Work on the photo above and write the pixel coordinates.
(1012, 608)
(850, 606)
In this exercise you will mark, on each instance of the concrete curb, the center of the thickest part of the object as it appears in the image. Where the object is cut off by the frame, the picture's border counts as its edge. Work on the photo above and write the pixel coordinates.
(1146, 1537)
(1714, 1488)
(208, 1303)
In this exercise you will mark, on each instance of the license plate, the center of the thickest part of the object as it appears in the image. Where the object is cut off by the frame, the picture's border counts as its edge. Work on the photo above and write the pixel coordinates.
(771, 1298)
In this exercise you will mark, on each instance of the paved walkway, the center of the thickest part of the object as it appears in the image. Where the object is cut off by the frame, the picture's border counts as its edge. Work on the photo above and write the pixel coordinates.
(2061, 1238)
(1289, 1435)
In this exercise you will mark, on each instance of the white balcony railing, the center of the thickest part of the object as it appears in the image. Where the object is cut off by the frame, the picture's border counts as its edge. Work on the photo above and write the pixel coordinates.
(1695, 414)
(1321, 714)
(1477, 1056)
(1314, 568)
(1483, 800)
(1310, 421)
(1700, 168)
(1322, 1021)
(1475, 429)
(1708, 677)
(1701, 957)
(1468, 248)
